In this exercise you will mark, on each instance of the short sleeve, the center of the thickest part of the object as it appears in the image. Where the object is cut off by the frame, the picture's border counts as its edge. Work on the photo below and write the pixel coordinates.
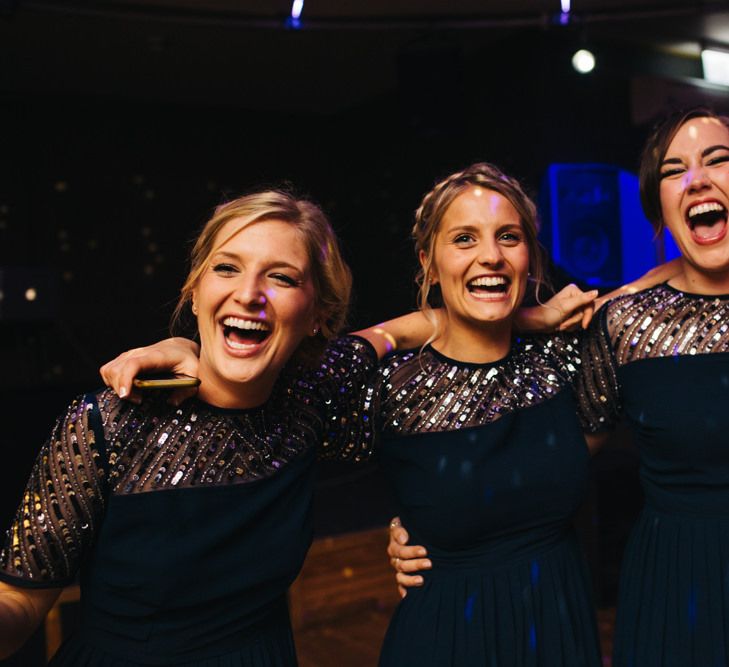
(596, 385)
(343, 390)
(62, 504)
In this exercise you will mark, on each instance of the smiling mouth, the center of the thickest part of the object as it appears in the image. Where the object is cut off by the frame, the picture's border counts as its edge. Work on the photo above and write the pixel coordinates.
(488, 286)
(242, 334)
(707, 221)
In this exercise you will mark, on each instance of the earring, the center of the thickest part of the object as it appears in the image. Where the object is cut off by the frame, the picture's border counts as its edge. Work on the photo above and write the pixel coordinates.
(315, 331)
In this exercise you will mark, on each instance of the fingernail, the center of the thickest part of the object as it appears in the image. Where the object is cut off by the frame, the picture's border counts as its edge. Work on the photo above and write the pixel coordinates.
(594, 292)
(401, 540)
(427, 565)
(122, 392)
(422, 552)
(420, 581)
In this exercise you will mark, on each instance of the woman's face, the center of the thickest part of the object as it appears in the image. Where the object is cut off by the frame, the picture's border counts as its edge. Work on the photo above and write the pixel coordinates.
(255, 303)
(694, 193)
(481, 258)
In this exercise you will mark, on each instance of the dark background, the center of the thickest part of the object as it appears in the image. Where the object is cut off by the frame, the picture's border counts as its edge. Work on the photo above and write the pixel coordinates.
(123, 124)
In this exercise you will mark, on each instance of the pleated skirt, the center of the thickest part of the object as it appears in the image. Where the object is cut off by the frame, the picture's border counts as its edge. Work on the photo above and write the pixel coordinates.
(673, 607)
(534, 612)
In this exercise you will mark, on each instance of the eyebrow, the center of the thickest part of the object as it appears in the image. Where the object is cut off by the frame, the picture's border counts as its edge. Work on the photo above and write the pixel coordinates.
(224, 254)
(704, 153)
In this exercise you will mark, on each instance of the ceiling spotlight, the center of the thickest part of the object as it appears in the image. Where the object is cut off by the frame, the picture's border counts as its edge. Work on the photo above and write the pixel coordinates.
(583, 61)
(31, 294)
(294, 20)
(716, 66)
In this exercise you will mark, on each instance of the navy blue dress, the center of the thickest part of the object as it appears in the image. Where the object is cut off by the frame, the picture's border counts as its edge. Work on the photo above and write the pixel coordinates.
(489, 465)
(661, 357)
(185, 525)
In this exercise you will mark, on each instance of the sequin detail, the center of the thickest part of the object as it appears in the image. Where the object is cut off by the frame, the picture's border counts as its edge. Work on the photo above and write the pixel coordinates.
(658, 322)
(61, 506)
(425, 392)
(155, 447)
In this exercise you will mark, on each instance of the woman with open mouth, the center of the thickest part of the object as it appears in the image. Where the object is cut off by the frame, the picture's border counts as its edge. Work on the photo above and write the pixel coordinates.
(478, 432)
(188, 523)
(661, 358)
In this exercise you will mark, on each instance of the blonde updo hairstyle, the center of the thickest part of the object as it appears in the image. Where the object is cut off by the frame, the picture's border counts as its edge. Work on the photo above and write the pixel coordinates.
(330, 274)
(429, 214)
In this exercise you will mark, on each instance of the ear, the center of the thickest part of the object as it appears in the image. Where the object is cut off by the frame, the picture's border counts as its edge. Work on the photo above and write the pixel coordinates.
(316, 322)
(432, 276)
(193, 302)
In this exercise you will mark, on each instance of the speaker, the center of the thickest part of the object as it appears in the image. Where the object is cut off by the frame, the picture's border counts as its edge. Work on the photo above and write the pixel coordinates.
(593, 224)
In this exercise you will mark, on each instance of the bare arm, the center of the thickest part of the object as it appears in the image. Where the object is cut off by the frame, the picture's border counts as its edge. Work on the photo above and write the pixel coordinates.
(175, 355)
(21, 611)
(659, 274)
(400, 333)
(568, 309)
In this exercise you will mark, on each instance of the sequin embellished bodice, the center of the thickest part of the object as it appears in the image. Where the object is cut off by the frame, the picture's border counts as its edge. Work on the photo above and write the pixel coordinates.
(187, 524)
(426, 392)
(658, 323)
(468, 445)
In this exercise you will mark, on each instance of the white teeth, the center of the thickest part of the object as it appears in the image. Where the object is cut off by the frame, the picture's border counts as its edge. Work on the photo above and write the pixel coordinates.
(240, 346)
(249, 325)
(704, 208)
(488, 281)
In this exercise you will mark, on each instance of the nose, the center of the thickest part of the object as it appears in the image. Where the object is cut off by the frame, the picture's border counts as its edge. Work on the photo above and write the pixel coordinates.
(490, 253)
(697, 178)
(250, 293)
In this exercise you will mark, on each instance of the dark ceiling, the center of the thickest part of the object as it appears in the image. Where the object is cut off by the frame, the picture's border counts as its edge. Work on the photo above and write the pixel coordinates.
(343, 53)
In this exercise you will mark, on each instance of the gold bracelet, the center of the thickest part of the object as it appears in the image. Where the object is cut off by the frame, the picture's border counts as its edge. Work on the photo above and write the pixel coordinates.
(391, 342)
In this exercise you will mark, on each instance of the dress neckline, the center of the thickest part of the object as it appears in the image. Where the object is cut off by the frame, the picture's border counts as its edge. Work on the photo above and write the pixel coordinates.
(470, 364)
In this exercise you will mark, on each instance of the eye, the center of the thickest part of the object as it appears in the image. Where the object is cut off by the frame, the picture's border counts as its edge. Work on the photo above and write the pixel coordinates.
(719, 159)
(668, 173)
(225, 269)
(285, 280)
(511, 237)
(463, 239)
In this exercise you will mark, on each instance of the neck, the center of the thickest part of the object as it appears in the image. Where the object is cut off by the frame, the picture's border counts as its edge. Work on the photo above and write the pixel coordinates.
(697, 281)
(234, 395)
(477, 345)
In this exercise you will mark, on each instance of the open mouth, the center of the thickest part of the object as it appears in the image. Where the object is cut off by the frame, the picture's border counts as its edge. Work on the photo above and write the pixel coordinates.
(707, 221)
(488, 285)
(242, 334)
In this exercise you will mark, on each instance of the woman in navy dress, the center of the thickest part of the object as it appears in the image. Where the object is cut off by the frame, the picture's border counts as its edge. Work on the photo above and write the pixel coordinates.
(661, 359)
(479, 435)
(186, 525)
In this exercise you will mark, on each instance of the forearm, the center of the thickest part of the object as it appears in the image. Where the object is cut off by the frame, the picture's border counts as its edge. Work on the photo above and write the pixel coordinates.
(656, 276)
(21, 612)
(401, 333)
